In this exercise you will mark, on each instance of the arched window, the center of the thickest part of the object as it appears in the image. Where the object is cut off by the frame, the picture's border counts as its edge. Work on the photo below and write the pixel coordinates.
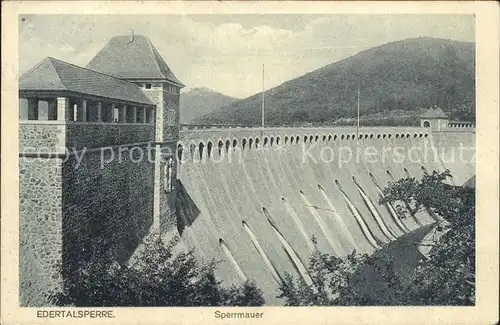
(277, 141)
(244, 143)
(235, 143)
(342, 137)
(329, 137)
(378, 136)
(384, 136)
(397, 135)
(265, 141)
(311, 138)
(228, 144)
(324, 138)
(407, 135)
(305, 138)
(297, 139)
(209, 149)
(286, 139)
(427, 124)
(366, 136)
(272, 141)
(371, 135)
(257, 141)
(335, 137)
(250, 141)
(389, 136)
(348, 137)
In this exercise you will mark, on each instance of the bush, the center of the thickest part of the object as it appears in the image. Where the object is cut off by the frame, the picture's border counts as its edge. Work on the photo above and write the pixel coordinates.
(155, 277)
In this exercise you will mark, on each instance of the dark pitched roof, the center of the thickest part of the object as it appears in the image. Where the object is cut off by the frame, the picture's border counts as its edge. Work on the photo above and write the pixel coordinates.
(434, 112)
(128, 57)
(53, 74)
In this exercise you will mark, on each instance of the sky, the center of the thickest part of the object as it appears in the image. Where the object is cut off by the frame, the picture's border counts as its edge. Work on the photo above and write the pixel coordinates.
(225, 53)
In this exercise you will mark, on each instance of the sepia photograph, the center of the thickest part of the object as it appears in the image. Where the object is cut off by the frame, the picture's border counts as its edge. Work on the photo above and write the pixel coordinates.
(246, 160)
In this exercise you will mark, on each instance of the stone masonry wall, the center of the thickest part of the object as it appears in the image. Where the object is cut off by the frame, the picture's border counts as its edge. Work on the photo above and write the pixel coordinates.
(107, 134)
(167, 202)
(49, 136)
(164, 212)
(40, 233)
(107, 209)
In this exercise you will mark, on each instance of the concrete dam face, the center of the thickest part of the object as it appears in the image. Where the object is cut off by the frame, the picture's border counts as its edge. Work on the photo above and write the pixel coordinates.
(254, 198)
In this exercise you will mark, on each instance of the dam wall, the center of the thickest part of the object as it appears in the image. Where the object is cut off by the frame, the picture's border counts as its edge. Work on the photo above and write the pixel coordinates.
(253, 198)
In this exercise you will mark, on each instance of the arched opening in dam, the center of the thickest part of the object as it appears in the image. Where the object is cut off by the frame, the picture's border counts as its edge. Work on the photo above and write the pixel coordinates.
(220, 145)
(201, 146)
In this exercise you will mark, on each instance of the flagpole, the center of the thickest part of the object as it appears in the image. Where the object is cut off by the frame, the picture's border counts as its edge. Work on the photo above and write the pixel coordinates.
(262, 95)
(357, 128)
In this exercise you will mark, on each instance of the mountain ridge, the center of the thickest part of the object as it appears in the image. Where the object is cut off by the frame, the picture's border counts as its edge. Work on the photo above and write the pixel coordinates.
(199, 101)
(406, 75)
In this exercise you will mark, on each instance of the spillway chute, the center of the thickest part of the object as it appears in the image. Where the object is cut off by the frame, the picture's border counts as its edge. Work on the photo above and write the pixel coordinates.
(232, 260)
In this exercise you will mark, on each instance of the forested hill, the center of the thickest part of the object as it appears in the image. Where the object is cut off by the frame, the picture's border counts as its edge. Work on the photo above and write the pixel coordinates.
(398, 76)
(199, 101)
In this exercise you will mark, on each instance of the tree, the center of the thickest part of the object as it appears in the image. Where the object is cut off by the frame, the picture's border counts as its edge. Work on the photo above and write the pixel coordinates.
(446, 277)
(155, 277)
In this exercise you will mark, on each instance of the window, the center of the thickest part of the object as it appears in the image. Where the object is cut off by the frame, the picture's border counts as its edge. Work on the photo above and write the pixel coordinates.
(148, 86)
(149, 115)
(116, 114)
(168, 175)
(171, 116)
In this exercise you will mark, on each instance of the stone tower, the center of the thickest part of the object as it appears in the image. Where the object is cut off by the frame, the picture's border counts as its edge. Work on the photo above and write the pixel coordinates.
(135, 59)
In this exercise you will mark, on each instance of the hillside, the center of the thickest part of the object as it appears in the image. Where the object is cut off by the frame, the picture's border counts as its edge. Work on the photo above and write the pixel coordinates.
(404, 76)
(199, 101)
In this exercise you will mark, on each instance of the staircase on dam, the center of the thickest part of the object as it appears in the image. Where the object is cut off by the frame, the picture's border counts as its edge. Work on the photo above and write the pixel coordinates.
(253, 198)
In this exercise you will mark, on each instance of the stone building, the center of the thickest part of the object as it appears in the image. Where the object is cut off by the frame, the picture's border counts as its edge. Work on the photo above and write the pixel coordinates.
(135, 59)
(435, 119)
(87, 184)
